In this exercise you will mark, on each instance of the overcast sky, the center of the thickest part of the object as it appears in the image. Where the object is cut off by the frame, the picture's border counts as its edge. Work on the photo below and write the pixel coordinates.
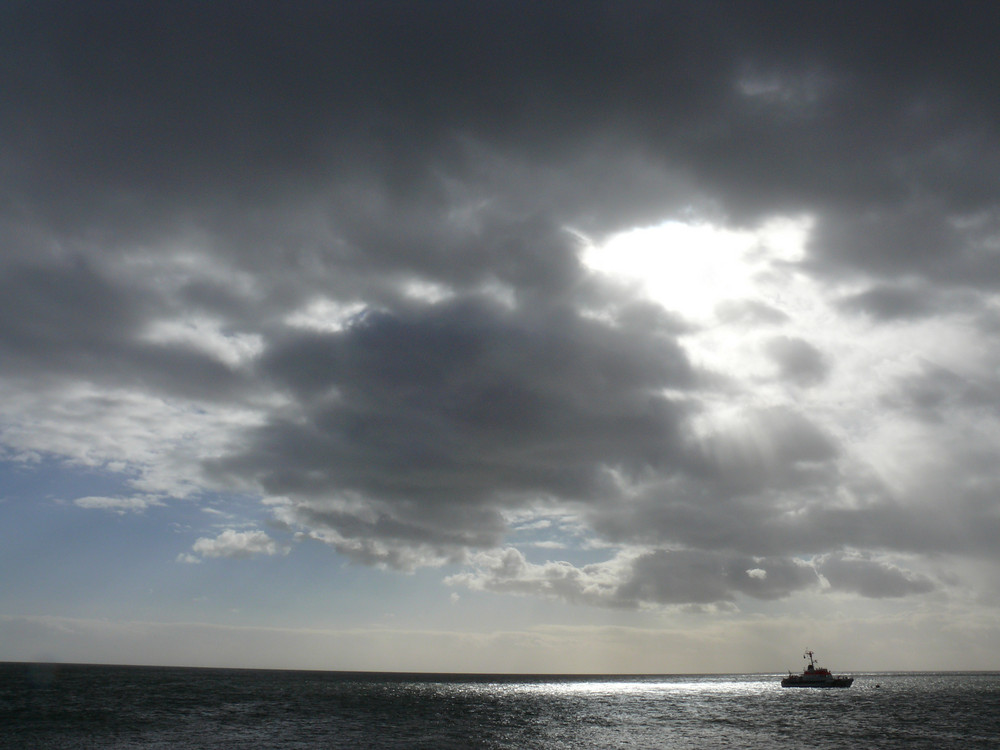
(500, 336)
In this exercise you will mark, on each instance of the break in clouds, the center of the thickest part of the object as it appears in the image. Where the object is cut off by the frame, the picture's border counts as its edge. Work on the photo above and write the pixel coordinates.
(359, 262)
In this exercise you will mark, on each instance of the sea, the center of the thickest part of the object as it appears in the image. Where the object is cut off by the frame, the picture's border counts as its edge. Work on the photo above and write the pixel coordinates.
(51, 706)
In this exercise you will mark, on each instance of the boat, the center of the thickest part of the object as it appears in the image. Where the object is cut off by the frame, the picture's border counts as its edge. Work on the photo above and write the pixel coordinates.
(815, 676)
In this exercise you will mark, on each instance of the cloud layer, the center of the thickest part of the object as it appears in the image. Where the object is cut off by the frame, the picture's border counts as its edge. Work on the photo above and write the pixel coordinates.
(336, 258)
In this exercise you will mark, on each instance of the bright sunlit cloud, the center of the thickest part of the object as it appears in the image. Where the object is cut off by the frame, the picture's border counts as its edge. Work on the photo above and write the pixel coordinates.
(209, 336)
(324, 315)
(693, 268)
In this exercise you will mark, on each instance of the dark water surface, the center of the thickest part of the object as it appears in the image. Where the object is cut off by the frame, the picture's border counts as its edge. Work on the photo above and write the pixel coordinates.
(76, 706)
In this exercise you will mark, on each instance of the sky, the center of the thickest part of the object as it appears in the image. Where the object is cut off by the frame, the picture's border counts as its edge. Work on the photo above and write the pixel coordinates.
(624, 337)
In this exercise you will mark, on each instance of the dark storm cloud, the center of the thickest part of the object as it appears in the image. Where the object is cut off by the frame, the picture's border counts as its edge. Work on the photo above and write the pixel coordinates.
(461, 405)
(871, 578)
(152, 107)
(890, 302)
(39, 301)
(180, 181)
(697, 577)
(798, 361)
(158, 105)
(69, 320)
(935, 392)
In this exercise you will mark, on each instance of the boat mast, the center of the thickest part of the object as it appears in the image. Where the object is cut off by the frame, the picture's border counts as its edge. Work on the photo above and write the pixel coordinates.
(809, 655)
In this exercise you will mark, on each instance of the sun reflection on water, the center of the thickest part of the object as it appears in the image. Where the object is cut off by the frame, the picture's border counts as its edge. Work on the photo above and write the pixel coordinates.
(646, 686)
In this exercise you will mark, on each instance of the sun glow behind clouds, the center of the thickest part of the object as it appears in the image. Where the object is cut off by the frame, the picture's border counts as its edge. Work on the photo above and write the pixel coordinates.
(692, 268)
(739, 288)
(745, 295)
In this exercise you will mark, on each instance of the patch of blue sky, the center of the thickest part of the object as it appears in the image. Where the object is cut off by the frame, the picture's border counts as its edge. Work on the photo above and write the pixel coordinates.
(123, 563)
(51, 479)
(60, 558)
(542, 537)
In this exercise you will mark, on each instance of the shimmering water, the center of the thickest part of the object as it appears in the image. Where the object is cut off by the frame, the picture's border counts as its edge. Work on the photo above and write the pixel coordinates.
(44, 706)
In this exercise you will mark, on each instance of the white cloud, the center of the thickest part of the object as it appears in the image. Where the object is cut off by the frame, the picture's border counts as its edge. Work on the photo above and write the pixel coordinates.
(508, 571)
(237, 544)
(322, 314)
(157, 441)
(234, 349)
